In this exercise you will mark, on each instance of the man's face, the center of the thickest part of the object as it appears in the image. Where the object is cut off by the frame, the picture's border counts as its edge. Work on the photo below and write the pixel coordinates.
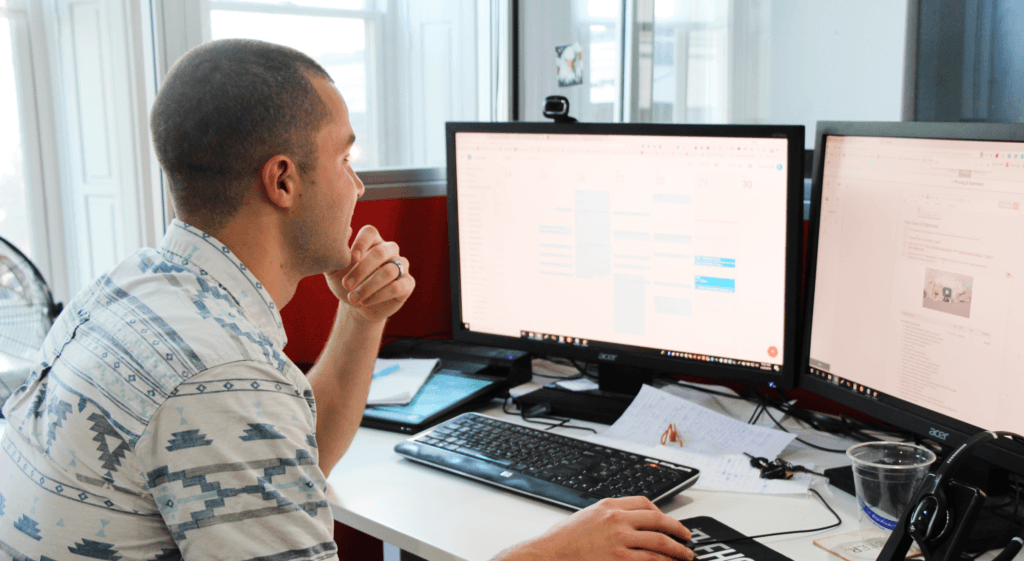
(323, 227)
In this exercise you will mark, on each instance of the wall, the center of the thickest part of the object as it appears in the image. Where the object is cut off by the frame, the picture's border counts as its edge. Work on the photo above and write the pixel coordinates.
(834, 61)
(970, 64)
(1008, 64)
(420, 227)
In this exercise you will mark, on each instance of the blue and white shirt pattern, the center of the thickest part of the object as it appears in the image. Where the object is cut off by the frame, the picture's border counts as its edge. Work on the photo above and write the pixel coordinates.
(162, 421)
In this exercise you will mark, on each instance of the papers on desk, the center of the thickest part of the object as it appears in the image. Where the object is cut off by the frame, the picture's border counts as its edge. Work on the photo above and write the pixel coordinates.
(701, 429)
(712, 443)
(578, 385)
(397, 380)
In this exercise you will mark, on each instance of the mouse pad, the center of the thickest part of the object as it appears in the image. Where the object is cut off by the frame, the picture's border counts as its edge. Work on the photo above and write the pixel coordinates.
(706, 529)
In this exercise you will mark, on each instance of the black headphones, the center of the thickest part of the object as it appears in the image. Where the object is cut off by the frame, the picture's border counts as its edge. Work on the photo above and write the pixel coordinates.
(930, 521)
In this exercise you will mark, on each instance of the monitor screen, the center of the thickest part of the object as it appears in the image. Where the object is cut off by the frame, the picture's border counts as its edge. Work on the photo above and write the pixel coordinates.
(667, 247)
(916, 284)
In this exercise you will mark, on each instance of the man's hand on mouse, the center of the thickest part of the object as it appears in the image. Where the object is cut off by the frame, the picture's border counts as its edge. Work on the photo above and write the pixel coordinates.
(627, 528)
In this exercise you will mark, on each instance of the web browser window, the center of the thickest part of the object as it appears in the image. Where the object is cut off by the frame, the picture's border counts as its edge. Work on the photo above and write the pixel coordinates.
(671, 243)
(918, 290)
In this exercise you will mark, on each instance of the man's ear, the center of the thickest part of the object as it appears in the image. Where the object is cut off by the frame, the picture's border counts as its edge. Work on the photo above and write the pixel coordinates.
(280, 181)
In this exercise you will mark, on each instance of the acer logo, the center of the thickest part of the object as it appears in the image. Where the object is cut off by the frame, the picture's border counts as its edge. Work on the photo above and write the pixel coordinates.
(938, 434)
(607, 356)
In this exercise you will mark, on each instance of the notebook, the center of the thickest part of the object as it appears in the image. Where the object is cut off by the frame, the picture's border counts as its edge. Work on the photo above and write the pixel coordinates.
(446, 394)
(397, 380)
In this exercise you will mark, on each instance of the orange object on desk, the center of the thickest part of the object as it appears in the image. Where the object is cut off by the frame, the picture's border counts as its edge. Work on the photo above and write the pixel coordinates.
(671, 435)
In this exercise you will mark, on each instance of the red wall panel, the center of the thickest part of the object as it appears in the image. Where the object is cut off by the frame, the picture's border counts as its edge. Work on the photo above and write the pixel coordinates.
(420, 227)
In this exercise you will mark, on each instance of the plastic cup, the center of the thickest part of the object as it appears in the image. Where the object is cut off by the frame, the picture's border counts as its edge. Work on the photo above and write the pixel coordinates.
(886, 476)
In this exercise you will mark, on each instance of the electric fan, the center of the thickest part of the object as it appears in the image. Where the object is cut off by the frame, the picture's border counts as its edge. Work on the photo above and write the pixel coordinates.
(27, 311)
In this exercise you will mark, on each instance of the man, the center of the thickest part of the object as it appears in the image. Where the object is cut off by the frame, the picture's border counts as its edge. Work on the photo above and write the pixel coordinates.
(163, 420)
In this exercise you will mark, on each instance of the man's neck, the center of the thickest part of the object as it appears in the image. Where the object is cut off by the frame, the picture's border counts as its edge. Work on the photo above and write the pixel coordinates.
(257, 243)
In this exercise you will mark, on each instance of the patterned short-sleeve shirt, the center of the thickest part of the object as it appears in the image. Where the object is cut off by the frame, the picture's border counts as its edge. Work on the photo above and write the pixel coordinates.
(162, 421)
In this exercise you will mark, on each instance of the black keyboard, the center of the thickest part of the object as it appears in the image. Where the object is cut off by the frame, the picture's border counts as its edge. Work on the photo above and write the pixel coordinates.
(550, 467)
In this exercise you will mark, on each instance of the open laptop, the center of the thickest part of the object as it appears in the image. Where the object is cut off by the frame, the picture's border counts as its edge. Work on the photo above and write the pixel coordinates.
(446, 394)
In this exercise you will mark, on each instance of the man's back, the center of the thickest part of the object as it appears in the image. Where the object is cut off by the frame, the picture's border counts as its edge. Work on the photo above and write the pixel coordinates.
(162, 416)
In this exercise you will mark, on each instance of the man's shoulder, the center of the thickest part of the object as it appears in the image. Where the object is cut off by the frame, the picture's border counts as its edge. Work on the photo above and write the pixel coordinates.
(141, 331)
(156, 306)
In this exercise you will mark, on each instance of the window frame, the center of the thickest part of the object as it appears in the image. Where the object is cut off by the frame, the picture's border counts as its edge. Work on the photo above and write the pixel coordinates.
(39, 145)
(182, 24)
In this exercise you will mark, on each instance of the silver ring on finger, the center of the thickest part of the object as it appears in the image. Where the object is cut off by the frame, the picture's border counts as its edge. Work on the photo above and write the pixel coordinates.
(398, 264)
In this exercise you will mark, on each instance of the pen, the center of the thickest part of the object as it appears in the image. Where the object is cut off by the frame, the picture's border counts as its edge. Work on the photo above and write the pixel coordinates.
(386, 371)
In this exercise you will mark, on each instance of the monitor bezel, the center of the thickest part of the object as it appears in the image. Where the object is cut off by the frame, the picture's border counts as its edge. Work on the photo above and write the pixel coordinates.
(622, 355)
(905, 415)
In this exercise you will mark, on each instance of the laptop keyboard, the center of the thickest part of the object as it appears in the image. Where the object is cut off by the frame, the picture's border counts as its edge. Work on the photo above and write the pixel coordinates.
(546, 466)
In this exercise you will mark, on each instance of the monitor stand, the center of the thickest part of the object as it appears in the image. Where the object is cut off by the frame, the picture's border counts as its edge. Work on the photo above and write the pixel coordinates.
(617, 386)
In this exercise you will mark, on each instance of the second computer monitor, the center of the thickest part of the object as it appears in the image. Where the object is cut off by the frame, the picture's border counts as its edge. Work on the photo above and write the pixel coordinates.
(665, 247)
(915, 284)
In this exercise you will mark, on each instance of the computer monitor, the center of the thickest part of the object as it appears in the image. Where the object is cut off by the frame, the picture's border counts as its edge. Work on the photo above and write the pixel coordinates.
(641, 247)
(915, 289)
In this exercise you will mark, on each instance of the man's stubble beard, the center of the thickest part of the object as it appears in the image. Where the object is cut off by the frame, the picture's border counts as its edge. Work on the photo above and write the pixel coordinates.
(315, 245)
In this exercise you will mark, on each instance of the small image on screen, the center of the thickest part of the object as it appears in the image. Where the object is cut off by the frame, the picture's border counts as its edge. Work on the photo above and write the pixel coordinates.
(948, 292)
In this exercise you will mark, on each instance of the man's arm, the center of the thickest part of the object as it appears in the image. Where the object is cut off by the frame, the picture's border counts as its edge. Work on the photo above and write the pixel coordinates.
(369, 291)
(341, 381)
(228, 459)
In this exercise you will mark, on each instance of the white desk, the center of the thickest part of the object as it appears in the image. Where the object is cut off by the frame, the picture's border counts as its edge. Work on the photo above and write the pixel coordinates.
(441, 516)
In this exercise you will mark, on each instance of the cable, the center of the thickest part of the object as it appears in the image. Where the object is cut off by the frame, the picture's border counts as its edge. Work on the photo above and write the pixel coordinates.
(838, 522)
(560, 423)
(582, 369)
(549, 422)
(844, 426)
(564, 362)
(754, 415)
(764, 402)
(798, 439)
(710, 391)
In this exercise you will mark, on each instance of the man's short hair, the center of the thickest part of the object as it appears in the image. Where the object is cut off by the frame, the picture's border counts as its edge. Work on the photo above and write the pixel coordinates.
(225, 108)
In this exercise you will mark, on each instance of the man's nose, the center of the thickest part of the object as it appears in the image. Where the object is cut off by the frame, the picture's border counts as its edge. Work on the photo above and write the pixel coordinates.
(361, 189)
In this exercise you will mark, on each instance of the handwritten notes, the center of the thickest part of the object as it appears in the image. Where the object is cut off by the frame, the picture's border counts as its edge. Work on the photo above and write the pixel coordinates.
(701, 430)
(712, 443)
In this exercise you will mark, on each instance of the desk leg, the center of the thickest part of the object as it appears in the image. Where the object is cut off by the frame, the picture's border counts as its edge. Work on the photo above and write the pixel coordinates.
(354, 545)
(393, 553)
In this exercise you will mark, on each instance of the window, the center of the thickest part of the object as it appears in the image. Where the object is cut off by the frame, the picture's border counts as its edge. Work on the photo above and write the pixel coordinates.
(596, 27)
(404, 67)
(29, 217)
(776, 61)
(15, 211)
(719, 61)
(340, 40)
